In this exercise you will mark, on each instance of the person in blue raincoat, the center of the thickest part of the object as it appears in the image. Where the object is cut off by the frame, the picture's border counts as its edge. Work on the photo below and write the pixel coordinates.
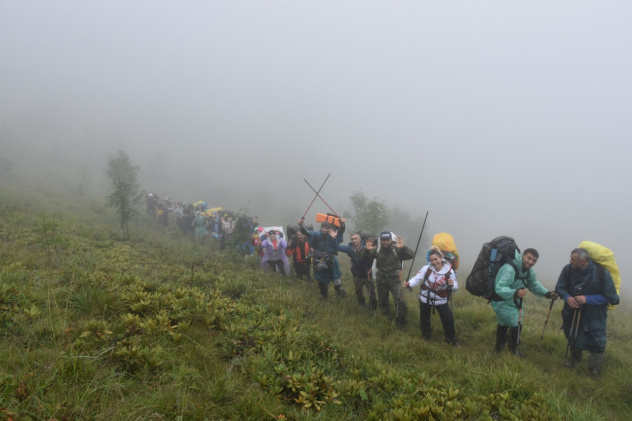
(325, 245)
(512, 281)
(586, 290)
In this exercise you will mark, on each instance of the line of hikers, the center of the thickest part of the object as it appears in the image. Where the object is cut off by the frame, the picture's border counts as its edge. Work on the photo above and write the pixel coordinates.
(587, 288)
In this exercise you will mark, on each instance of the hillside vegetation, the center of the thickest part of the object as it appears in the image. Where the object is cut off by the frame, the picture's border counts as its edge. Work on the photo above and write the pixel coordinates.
(157, 327)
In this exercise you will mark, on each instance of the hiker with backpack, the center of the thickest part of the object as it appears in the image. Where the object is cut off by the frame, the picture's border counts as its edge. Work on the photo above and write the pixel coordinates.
(388, 261)
(324, 257)
(587, 289)
(361, 271)
(511, 283)
(437, 281)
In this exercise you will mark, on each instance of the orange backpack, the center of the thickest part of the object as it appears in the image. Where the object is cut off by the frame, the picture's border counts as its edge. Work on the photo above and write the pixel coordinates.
(329, 218)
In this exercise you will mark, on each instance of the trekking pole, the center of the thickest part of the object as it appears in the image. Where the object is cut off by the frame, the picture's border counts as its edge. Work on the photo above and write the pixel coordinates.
(520, 312)
(579, 316)
(321, 187)
(450, 299)
(570, 335)
(399, 288)
(321, 198)
(547, 319)
(247, 206)
(450, 290)
(368, 279)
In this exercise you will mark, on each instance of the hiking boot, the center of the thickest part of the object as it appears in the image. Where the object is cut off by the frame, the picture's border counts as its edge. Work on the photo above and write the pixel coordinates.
(451, 341)
(595, 363)
(340, 292)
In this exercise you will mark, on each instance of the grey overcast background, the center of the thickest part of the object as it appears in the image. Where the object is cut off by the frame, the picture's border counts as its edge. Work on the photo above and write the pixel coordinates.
(496, 117)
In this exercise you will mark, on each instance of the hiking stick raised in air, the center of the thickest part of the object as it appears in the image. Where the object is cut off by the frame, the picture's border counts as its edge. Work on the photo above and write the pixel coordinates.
(247, 206)
(417, 247)
(321, 187)
(321, 198)
(547, 319)
(399, 288)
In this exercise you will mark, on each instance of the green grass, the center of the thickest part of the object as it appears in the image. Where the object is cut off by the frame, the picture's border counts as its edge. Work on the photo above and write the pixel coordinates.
(95, 327)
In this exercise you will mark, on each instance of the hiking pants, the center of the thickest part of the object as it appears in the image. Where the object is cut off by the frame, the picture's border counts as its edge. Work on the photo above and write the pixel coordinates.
(392, 284)
(301, 269)
(447, 320)
(360, 284)
(277, 264)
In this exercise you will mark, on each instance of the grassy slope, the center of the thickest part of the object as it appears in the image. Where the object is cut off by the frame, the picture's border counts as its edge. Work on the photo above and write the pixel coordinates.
(97, 327)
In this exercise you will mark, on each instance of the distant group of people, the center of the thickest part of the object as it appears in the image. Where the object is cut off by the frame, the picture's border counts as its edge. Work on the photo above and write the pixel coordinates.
(197, 220)
(376, 263)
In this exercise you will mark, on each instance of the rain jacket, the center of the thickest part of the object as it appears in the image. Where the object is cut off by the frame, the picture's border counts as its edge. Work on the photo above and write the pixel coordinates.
(200, 226)
(272, 253)
(592, 326)
(328, 245)
(507, 310)
(359, 266)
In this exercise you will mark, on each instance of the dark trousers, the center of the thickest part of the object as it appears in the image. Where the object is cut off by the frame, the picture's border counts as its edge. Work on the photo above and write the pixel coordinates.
(359, 285)
(506, 334)
(447, 320)
(391, 285)
(277, 264)
(301, 269)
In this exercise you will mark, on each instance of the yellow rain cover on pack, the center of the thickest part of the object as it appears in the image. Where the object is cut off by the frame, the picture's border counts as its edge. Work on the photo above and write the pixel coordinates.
(445, 242)
(605, 258)
(209, 212)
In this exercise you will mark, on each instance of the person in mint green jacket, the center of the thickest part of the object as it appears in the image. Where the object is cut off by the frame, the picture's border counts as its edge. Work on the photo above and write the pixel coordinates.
(512, 281)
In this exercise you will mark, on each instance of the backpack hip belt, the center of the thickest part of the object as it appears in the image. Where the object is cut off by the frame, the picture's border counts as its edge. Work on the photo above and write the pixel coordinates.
(443, 293)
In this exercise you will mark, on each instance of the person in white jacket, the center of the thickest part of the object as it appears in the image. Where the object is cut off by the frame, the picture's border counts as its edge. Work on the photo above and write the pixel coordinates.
(437, 281)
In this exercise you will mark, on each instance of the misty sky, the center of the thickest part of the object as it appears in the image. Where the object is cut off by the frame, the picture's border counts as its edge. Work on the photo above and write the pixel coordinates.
(499, 118)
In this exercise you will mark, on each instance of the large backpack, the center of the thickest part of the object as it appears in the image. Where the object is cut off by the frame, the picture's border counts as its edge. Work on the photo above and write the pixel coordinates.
(481, 280)
(445, 242)
(603, 258)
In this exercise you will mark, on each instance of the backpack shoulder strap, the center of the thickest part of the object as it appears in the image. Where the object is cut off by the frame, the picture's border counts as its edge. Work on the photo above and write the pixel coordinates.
(427, 274)
(601, 273)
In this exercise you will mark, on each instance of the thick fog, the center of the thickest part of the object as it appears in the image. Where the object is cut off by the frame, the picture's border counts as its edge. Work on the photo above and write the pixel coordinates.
(498, 118)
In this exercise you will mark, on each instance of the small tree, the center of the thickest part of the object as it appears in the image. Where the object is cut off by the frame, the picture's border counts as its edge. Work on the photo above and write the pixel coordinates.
(125, 189)
(369, 214)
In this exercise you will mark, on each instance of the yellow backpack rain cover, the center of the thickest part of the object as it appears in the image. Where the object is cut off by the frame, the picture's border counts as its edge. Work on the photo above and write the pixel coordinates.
(605, 258)
(445, 242)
